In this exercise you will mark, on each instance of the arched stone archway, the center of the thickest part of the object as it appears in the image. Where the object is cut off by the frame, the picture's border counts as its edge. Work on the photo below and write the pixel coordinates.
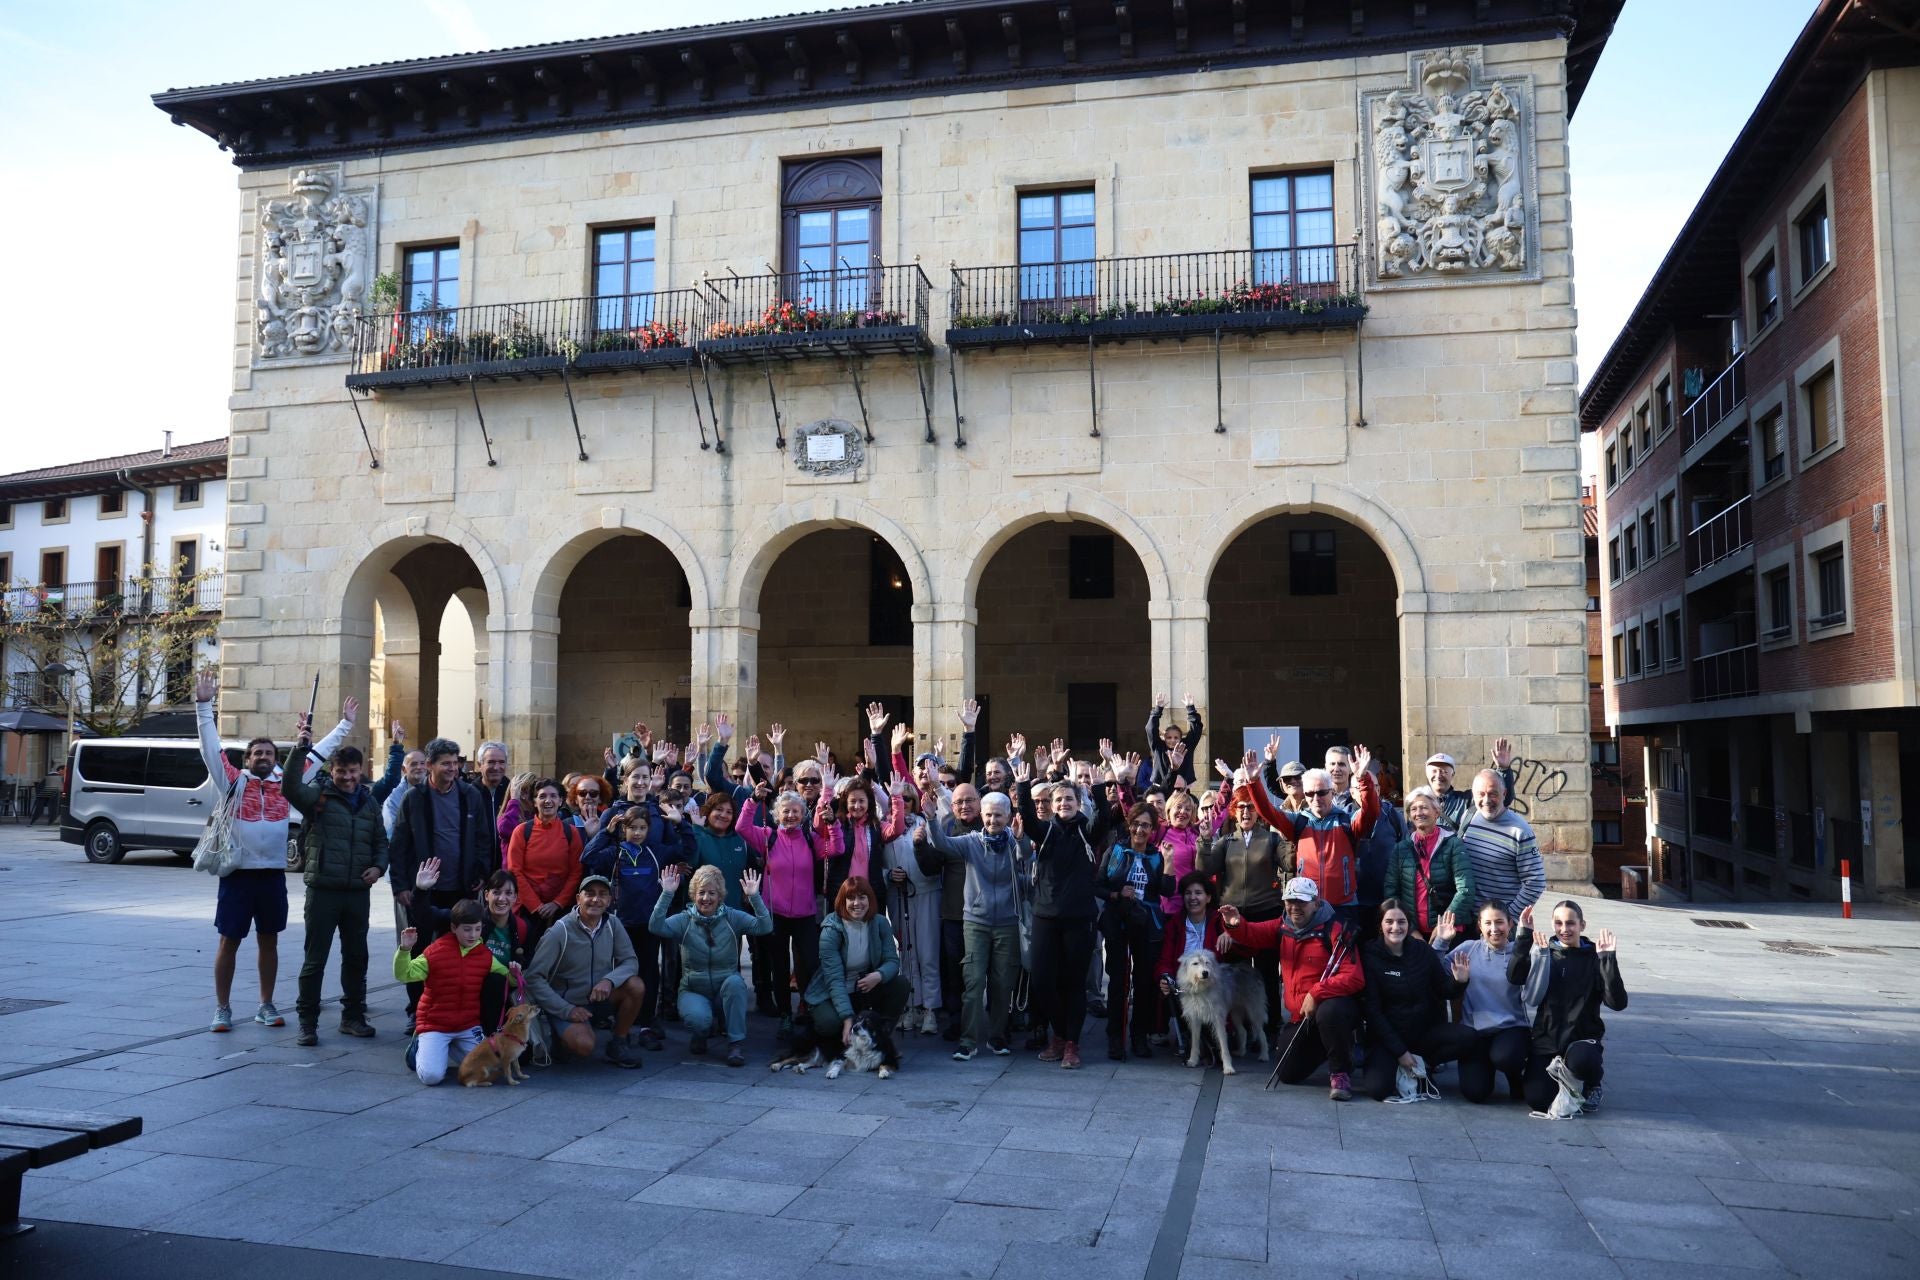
(1346, 504)
(621, 648)
(757, 550)
(985, 539)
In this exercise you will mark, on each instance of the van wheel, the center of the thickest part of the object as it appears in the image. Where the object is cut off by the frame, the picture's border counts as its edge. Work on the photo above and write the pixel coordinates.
(102, 843)
(295, 861)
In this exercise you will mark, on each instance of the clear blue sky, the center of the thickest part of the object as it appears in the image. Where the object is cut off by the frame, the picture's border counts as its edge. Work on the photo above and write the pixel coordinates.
(122, 226)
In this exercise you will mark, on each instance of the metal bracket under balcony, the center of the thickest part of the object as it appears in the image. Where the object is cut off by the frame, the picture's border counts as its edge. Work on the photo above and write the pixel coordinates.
(810, 315)
(449, 346)
(1168, 297)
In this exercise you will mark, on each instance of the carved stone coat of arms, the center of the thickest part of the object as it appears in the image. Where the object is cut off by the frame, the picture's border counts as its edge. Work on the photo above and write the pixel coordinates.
(316, 258)
(1452, 173)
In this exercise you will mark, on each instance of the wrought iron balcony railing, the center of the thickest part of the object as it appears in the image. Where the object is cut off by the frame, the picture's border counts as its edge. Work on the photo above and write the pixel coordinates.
(1165, 296)
(525, 339)
(800, 314)
(1722, 396)
(1720, 535)
(116, 597)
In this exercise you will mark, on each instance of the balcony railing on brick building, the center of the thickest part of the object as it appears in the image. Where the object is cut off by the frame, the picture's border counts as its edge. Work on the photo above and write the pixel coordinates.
(1729, 673)
(1722, 396)
(524, 339)
(1166, 296)
(1720, 535)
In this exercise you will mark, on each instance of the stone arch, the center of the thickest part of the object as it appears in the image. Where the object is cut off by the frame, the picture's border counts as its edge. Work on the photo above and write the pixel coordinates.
(787, 524)
(993, 532)
(551, 565)
(1306, 496)
(351, 584)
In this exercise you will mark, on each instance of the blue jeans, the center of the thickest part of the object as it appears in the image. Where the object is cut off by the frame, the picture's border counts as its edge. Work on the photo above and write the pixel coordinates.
(696, 1011)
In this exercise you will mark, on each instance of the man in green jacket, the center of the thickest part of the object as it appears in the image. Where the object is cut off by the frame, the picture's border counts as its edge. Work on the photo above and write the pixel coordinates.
(346, 853)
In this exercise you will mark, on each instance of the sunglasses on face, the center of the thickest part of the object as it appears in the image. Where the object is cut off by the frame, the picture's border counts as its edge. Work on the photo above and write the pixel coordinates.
(1323, 791)
(806, 782)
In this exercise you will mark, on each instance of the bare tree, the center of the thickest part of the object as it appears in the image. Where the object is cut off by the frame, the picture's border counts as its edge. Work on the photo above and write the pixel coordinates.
(131, 646)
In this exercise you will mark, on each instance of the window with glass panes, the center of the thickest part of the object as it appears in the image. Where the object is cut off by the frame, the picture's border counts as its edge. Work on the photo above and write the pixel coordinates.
(1773, 445)
(1822, 411)
(830, 232)
(1830, 579)
(1293, 228)
(622, 277)
(432, 278)
(1311, 567)
(1675, 647)
(1056, 250)
(1814, 232)
(1650, 644)
(1779, 594)
(1765, 284)
(1663, 404)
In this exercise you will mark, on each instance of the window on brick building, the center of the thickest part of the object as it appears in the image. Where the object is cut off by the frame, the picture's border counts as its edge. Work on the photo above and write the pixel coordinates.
(1813, 231)
(1630, 548)
(1613, 465)
(1606, 831)
(1613, 558)
(1626, 450)
(1764, 285)
(1649, 539)
(1619, 656)
(1674, 648)
(1669, 531)
(1663, 405)
(1311, 570)
(1633, 652)
(1776, 594)
(1823, 410)
(1650, 644)
(1643, 426)
(1830, 587)
(1772, 431)
(1603, 751)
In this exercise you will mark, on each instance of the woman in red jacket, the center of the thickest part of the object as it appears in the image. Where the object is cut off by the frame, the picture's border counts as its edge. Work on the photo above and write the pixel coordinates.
(544, 857)
(1320, 976)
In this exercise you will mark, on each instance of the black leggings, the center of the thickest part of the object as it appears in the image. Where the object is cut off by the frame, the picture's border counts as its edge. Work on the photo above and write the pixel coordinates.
(646, 950)
(796, 954)
(1443, 1042)
(953, 958)
(1494, 1053)
(1325, 1037)
(1133, 947)
(1062, 950)
(1583, 1059)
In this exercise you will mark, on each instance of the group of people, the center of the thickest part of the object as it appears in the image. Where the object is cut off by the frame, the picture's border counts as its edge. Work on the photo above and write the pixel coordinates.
(978, 900)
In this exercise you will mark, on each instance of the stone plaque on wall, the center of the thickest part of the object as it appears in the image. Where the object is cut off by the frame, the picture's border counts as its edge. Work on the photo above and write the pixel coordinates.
(830, 447)
(1451, 182)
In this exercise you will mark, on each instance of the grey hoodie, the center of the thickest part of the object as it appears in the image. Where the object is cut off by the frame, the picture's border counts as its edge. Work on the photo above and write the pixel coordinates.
(993, 886)
(570, 962)
(1490, 1001)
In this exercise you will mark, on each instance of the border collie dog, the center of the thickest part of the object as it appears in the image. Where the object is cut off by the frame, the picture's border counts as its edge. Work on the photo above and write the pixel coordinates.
(869, 1048)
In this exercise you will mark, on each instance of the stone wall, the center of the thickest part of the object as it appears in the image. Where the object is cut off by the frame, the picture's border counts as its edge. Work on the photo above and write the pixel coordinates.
(1464, 474)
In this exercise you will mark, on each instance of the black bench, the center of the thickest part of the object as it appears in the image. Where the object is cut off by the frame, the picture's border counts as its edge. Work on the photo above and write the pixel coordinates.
(33, 1139)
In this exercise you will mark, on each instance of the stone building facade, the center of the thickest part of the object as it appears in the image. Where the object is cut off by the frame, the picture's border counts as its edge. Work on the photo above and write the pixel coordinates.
(1363, 529)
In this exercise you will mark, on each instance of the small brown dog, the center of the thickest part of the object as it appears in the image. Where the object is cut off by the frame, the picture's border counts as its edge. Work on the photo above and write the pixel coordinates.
(498, 1055)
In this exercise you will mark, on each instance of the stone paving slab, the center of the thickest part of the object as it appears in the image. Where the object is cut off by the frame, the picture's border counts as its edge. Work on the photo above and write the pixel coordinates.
(1763, 1117)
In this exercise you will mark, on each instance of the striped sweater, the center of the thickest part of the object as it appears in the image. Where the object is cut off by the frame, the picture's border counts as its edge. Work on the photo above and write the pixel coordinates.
(1506, 861)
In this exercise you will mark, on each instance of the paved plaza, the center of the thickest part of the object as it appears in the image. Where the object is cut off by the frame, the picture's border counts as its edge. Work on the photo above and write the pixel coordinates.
(1762, 1116)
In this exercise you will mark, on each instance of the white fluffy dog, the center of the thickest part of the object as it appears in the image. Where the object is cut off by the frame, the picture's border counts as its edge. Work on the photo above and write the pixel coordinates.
(1216, 997)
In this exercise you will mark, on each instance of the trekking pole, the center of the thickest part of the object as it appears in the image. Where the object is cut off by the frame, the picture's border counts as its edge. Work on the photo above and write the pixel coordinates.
(1333, 963)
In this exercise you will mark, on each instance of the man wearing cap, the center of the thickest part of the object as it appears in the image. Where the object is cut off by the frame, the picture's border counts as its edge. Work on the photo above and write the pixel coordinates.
(585, 970)
(1456, 807)
(1320, 978)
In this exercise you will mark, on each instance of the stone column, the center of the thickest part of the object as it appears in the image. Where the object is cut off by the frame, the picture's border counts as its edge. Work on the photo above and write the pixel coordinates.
(726, 665)
(522, 707)
(944, 671)
(1178, 660)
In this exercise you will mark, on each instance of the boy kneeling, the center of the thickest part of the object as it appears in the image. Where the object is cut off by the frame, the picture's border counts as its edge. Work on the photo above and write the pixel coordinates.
(454, 968)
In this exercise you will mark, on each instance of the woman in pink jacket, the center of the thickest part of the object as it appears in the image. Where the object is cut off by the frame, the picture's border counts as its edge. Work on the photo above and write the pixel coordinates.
(851, 836)
(790, 852)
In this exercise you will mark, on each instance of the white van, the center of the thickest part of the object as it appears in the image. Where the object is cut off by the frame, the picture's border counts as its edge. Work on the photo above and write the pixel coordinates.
(145, 793)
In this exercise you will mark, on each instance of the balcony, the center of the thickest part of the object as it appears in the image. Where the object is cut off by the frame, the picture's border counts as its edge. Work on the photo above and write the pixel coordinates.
(34, 689)
(1713, 818)
(113, 598)
(1173, 296)
(518, 340)
(1728, 673)
(1722, 396)
(1720, 535)
(875, 310)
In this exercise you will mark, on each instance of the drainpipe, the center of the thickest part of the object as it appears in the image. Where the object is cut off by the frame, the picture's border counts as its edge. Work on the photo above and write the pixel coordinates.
(146, 563)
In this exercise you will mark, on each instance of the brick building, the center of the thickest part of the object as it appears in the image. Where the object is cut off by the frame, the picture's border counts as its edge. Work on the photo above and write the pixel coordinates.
(1270, 398)
(1757, 417)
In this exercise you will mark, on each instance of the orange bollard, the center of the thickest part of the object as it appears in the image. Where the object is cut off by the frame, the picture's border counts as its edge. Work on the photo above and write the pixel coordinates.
(1846, 889)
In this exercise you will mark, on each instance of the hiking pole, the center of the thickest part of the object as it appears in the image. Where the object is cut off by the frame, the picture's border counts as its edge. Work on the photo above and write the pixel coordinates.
(1333, 964)
(313, 703)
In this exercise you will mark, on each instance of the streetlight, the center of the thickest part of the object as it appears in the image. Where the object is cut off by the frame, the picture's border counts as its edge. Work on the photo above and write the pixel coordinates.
(61, 671)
